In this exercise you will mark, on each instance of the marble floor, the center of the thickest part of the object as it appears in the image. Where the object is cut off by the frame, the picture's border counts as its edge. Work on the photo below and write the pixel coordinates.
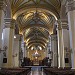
(36, 71)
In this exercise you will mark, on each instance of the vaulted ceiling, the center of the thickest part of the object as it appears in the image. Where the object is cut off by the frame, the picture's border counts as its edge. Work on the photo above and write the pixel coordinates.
(35, 19)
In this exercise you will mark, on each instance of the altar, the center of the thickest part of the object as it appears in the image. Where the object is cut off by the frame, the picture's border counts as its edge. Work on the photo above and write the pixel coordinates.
(36, 55)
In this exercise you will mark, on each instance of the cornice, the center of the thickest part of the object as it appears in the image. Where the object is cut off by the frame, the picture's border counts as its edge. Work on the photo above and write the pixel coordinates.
(9, 23)
(70, 5)
(64, 24)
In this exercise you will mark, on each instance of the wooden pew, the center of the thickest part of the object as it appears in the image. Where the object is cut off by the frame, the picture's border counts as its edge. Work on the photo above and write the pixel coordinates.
(56, 71)
(14, 71)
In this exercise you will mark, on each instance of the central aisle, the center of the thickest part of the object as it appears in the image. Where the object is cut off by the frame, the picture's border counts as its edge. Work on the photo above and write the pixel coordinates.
(36, 71)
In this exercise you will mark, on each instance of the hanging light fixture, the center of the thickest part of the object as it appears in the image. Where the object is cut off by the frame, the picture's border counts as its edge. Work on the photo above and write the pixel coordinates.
(36, 52)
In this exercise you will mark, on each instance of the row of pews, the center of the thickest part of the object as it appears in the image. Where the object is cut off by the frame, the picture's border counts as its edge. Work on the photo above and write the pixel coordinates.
(59, 71)
(14, 71)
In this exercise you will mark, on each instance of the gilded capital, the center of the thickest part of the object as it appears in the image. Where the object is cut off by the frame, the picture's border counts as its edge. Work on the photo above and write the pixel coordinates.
(70, 5)
(9, 23)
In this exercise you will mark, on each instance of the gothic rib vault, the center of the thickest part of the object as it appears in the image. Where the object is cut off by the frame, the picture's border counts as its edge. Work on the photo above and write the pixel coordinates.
(35, 19)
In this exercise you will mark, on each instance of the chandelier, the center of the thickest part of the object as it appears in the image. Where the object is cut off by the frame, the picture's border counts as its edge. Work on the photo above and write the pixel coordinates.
(36, 54)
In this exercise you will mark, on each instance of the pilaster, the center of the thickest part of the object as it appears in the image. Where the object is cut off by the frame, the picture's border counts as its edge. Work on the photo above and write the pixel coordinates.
(1, 21)
(1, 28)
(54, 50)
(70, 8)
(17, 50)
(70, 5)
(20, 50)
(25, 50)
(8, 36)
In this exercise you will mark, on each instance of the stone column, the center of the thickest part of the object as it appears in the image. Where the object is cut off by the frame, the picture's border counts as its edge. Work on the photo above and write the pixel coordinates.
(49, 48)
(65, 43)
(70, 9)
(1, 20)
(8, 34)
(22, 46)
(25, 50)
(16, 51)
(54, 50)
(1, 27)
(20, 50)
(49, 51)
(46, 50)
(59, 38)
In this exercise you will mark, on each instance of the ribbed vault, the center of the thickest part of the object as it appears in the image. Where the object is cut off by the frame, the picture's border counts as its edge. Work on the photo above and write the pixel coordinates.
(35, 19)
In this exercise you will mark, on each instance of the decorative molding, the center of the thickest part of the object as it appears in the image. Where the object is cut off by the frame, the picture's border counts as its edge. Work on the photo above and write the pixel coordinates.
(70, 5)
(53, 37)
(64, 24)
(58, 24)
(9, 23)
(65, 27)
(2, 4)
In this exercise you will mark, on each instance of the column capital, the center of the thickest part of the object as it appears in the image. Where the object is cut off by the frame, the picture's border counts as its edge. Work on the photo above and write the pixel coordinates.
(9, 23)
(64, 24)
(70, 5)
